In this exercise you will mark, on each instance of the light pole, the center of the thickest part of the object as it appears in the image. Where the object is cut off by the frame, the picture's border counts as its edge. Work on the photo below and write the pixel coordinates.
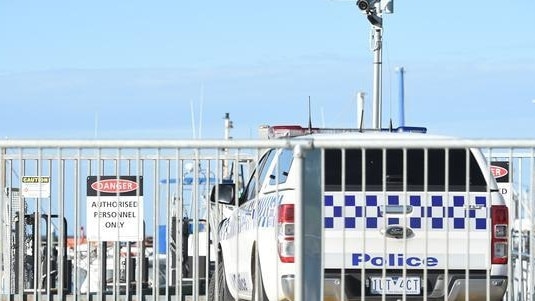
(374, 9)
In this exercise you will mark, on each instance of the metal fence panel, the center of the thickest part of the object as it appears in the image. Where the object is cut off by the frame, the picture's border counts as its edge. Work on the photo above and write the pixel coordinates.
(133, 219)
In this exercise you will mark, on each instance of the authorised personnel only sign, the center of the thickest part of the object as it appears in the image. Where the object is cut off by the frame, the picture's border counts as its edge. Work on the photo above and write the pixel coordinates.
(115, 208)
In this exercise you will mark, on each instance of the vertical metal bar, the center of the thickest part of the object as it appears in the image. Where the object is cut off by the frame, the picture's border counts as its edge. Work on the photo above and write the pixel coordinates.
(447, 243)
(90, 245)
(195, 223)
(212, 239)
(425, 224)
(313, 225)
(168, 229)
(517, 210)
(4, 215)
(77, 240)
(141, 245)
(531, 231)
(363, 230)
(38, 261)
(384, 203)
(128, 245)
(308, 230)
(207, 244)
(299, 227)
(61, 264)
(117, 256)
(156, 236)
(5, 227)
(344, 232)
(47, 273)
(468, 226)
(20, 272)
(322, 224)
(405, 205)
(179, 220)
(513, 214)
(102, 253)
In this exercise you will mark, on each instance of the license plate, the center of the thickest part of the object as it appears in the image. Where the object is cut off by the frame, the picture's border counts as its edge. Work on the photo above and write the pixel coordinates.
(393, 285)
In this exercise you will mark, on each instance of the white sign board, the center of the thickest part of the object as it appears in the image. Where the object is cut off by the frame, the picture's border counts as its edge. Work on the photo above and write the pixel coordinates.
(501, 171)
(114, 208)
(35, 187)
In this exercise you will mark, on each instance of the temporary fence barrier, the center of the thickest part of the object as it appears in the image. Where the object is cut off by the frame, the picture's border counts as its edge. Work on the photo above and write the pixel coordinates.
(133, 220)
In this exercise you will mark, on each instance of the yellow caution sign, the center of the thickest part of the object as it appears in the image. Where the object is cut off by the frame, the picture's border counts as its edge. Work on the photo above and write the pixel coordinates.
(35, 187)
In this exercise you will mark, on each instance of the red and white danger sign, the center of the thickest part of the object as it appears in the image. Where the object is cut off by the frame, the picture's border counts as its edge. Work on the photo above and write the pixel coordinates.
(114, 208)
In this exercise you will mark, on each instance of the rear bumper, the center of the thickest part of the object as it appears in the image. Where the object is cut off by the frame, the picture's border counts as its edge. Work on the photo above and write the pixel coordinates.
(332, 288)
(478, 286)
(478, 289)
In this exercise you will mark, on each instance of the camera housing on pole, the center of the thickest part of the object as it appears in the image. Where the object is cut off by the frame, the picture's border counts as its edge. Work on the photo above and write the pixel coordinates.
(374, 9)
(363, 4)
(386, 6)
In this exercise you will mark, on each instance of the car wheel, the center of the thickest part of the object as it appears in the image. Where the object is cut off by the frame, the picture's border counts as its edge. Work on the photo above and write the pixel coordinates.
(223, 294)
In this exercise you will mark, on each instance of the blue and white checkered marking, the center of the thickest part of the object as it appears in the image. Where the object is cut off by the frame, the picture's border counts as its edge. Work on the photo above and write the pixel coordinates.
(366, 212)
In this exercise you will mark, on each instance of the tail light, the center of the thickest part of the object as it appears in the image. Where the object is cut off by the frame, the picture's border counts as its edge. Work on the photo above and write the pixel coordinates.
(285, 238)
(500, 233)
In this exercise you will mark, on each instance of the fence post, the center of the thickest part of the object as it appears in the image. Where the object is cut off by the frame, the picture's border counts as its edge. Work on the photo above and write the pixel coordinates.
(308, 225)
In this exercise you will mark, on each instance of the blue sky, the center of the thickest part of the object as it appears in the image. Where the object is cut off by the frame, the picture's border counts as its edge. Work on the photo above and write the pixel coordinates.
(138, 69)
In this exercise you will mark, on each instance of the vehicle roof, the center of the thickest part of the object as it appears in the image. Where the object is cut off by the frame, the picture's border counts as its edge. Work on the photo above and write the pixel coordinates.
(399, 133)
(367, 135)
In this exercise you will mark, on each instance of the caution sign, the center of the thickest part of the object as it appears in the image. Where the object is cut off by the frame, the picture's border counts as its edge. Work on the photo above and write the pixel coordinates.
(35, 187)
(114, 208)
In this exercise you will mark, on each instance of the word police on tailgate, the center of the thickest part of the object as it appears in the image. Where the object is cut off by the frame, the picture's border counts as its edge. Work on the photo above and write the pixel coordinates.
(393, 260)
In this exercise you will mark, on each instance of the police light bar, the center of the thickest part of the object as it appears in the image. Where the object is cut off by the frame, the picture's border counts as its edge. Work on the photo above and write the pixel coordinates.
(281, 131)
(288, 131)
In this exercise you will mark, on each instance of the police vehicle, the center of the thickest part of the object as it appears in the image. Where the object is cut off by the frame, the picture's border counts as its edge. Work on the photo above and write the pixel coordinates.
(413, 223)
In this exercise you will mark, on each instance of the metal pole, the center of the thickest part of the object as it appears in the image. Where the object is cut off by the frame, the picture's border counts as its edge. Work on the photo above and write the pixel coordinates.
(377, 76)
(299, 228)
(308, 226)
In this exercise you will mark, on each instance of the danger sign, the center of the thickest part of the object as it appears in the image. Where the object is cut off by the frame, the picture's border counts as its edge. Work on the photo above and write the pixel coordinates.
(115, 208)
(501, 171)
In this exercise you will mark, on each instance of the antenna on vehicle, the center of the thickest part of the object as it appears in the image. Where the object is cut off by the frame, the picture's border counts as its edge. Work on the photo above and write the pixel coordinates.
(401, 96)
(309, 117)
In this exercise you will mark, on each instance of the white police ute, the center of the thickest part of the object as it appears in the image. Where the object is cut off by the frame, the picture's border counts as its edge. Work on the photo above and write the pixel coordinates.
(398, 223)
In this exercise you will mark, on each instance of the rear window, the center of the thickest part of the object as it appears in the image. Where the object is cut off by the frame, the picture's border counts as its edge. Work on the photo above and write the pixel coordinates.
(392, 169)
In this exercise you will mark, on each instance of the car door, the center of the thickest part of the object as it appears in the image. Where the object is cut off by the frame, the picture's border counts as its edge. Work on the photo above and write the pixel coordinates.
(243, 219)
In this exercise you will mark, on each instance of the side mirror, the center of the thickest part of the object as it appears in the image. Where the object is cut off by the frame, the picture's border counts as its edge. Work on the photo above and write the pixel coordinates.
(223, 194)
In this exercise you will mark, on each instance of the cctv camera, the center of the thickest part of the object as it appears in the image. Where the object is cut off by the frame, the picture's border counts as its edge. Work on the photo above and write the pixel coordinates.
(375, 20)
(363, 4)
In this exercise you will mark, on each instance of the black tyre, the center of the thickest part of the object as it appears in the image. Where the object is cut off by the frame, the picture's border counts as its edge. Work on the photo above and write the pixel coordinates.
(223, 294)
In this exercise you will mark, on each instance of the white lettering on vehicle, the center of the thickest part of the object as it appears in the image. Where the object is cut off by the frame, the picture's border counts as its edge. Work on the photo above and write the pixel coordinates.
(394, 260)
